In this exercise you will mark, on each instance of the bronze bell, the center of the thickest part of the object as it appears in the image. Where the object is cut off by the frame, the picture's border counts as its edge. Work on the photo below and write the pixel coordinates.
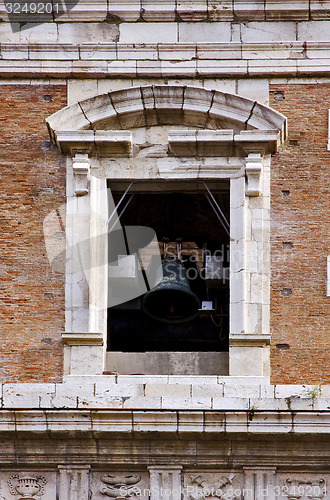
(172, 301)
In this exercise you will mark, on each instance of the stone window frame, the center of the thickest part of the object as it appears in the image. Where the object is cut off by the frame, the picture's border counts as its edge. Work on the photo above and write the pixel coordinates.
(243, 133)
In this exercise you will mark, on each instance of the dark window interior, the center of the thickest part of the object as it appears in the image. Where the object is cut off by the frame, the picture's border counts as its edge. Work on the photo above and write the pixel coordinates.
(186, 215)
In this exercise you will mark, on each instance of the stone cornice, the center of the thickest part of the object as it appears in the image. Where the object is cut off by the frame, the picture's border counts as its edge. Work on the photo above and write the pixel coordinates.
(226, 421)
(192, 11)
(166, 60)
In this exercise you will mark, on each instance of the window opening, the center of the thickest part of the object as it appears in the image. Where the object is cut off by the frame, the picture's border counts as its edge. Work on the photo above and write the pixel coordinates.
(195, 247)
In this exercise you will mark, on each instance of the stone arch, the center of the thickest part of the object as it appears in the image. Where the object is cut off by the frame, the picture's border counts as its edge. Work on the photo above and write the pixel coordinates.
(152, 105)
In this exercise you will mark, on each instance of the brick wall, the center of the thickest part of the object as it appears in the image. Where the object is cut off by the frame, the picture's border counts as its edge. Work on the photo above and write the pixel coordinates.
(32, 184)
(301, 215)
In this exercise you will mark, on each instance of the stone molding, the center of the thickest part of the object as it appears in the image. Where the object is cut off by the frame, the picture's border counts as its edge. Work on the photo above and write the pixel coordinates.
(225, 421)
(223, 143)
(89, 338)
(196, 60)
(155, 104)
(249, 339)
(195, 10)
(100, 143)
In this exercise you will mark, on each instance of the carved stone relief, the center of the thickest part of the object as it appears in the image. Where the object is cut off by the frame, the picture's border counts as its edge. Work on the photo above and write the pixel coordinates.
(209, 486)
(120, 485)
(27, 486)
(305, 488)
(302, 486)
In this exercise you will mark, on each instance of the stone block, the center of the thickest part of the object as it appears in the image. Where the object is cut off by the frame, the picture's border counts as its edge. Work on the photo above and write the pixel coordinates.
(158, 10)
(154, 422)
(10, 33)
(219, 51)
(262, 422)
(224, 85)
(27, 421)
(125, 10)
(230, 403)
(142, 379)
(257, 90)
(296, 9)
(171, 68)
(246, 360)
(39, 33)
(192, 11)
(325, 391)
(100, 401)
(11, 51)
(225, 67)
(321, 404)
(7, 421)
(103, 388)
(86, 359)
(171, 390)
(144, 52)
(214, 422)
(237, 422)
(148, 33)
(72, 115)
(53, 52)
(86, 11)
(66, 421)
(91, 51)
(77, 88)
(236, 391)
(316, 66)
(266, 67)
(269, 32)
(294, 390)
(249, 9)
(207, 390)
(142, 402)
(204, 32)
(25, 395)
(192, 379)
(320, 9)
(314, 31)
(220, 11)
(122, 68)
(191, 421)
(268, 403)
(75, 33)
(182, 52)
(120, 422)
(202, 403)
(149, 68)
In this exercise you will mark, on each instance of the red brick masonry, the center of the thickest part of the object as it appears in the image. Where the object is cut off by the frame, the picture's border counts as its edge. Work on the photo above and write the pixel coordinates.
(302, 217)
(32, 185)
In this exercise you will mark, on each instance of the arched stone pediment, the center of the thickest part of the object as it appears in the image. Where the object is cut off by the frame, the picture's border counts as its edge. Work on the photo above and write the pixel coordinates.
(154, 105)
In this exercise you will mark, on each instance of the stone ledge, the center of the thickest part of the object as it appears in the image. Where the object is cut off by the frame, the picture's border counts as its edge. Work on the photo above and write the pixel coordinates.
(253, 421)
(71, 339)
(216, 68)
(192, 11)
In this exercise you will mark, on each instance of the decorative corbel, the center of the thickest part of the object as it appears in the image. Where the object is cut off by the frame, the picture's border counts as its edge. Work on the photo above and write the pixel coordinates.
(81, 165)
(253, 174)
